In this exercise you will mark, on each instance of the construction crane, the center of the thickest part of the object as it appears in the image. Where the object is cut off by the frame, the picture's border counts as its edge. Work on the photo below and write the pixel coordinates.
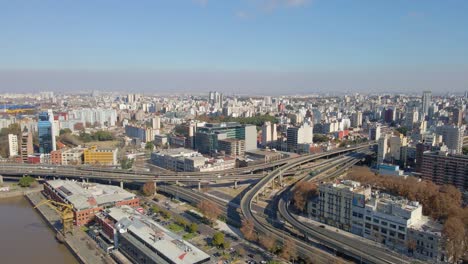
(64, 210)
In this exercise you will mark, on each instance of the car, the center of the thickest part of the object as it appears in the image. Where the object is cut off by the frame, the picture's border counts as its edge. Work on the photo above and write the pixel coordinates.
(321, 226)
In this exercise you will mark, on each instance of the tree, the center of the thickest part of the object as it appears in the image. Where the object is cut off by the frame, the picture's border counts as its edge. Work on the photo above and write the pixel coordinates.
(218, 239)
(454, 234)
(193, 228)
(248, 230)
(65, 131)
(402, 130)
(209, 209)
(268, 243)
(148, 188)
(26, 181)
(318, 138)
(149, 146)
(289, 251)
(126, 163)
(302, 193)
(465, 150)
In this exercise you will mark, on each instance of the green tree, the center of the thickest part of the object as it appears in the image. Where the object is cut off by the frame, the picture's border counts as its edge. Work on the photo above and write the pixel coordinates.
(402, 130)
(465, 150)
(149, 146)
(193, 228)
(26, 181)
(126, 163)
(65, 131)
(218, 239)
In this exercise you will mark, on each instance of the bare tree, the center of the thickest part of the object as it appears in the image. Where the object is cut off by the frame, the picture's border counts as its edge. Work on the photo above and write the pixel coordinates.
(148, 188)
(454, 234)
(302, 193)
(248, 230)
(268, 243)
(289, 251)
(209, 209)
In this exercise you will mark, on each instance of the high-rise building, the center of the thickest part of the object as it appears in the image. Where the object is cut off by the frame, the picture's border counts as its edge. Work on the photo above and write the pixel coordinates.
(54, 130)
(452, 136)
(374, 132)
(44, 128)
(457, 116)
(13, 145)
(27, 147)
(426, 101)
(442, 168)
(269, 134)
(356, 119)
(382, 151)
(411, 117)
(156, 122)
(297, 136)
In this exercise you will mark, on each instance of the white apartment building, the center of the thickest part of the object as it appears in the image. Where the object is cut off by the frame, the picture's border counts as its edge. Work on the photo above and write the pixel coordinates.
(13, 145)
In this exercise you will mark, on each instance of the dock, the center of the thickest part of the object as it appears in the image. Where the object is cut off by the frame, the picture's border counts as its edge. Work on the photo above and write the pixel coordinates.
(80, 244)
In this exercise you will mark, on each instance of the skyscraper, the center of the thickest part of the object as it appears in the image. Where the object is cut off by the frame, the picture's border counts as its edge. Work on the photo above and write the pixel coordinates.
(426, 101)
(44, 128)
(269, 133)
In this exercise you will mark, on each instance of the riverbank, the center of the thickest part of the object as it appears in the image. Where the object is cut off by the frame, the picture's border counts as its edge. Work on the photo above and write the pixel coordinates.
(16, 191)
(80, 244)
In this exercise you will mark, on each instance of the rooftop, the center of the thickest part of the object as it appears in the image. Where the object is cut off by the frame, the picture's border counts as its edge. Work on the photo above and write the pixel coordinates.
(155, 236)
(89, 195)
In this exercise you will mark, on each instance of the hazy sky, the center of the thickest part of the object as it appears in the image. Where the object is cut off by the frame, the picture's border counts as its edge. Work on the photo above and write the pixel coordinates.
(238, 46)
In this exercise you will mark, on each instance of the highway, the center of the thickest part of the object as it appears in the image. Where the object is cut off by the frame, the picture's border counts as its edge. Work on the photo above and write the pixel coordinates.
(246, 205)
(361, 250)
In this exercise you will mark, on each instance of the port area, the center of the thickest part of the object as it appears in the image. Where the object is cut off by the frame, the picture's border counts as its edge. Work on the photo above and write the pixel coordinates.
(79, 243)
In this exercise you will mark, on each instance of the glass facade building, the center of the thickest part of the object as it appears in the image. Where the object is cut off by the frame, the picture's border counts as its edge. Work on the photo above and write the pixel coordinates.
(44, 128)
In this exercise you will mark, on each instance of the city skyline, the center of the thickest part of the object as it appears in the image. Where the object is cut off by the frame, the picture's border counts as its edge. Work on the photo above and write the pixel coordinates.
(242, 46)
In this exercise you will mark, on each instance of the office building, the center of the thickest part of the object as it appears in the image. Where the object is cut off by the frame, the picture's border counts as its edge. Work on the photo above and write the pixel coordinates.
(411, 117)
(88, 199)
(181, 159)
(145, 134)
(12, 145)
(100, 156)
(143, 240)
(207, 137)
(44, 128)
(54, 130)
(443, 168)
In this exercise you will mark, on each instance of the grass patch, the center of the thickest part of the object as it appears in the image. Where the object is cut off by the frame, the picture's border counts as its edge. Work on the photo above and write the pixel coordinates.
(175, 228)
(189, 236)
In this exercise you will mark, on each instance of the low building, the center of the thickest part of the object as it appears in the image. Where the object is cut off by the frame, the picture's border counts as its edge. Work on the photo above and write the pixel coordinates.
(174, 159)
(72, 156)
(442, 168)
(88, 199)
(100, 156)
(143, 240)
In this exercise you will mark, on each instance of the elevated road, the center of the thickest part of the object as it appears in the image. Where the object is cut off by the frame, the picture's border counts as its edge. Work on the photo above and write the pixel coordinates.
(246, 205)
(361, 250)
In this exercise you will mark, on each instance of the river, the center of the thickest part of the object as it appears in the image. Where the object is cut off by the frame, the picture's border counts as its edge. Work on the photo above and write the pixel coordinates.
(26, 238)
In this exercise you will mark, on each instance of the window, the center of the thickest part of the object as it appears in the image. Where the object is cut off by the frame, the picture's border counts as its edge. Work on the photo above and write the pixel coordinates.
(368, 218)
(383, 230)
(383, 223)
(401, 236)
(393, 226)
(401, 228)
(376, 220)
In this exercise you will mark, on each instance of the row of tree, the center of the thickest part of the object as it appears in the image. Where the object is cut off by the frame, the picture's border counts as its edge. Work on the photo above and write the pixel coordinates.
(442, 203)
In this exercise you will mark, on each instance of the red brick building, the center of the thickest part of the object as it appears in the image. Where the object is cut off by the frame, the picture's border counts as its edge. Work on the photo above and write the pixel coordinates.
(88, 198)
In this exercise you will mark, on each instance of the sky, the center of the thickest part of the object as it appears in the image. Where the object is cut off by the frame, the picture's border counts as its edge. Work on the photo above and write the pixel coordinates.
(234, 46)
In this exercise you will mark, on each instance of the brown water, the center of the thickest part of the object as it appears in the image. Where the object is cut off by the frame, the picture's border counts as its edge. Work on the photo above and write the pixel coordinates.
(26, 238)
